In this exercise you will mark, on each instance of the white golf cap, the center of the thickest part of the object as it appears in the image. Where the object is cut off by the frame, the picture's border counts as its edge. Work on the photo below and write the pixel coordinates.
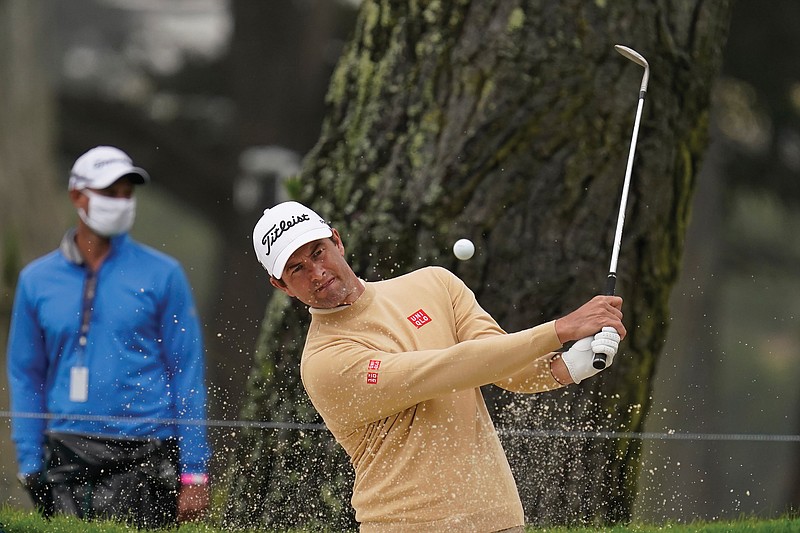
(282, 230)
(103, 165)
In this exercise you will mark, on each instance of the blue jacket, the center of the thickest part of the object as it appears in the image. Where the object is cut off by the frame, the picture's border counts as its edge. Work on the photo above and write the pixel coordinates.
(144, 352)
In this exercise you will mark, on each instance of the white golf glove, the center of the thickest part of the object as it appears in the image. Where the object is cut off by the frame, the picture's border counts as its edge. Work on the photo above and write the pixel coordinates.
(579, 358)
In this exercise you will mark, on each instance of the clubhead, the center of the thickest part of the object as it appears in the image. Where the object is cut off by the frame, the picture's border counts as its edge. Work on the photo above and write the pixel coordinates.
(637, 58)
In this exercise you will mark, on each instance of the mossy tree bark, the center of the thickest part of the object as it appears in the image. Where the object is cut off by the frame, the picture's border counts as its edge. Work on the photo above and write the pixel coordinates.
(31, 222)
(34, 193)
(507, 122)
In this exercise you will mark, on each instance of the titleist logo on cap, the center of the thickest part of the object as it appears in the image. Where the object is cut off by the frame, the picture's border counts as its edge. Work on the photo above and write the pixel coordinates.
(280, 228)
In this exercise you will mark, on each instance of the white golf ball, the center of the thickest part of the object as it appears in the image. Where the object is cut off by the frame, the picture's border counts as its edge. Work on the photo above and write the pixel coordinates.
(463, 249)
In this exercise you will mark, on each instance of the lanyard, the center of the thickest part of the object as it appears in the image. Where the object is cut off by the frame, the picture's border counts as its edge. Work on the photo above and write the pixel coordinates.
(89, 291)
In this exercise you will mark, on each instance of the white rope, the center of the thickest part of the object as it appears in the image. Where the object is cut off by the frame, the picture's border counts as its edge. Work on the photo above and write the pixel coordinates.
(514, 432)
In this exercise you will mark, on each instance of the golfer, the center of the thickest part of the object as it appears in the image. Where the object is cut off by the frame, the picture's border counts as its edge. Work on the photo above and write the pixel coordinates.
(395, 369)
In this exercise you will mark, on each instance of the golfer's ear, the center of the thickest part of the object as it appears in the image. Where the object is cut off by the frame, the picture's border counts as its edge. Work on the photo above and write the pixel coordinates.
(337, 239)
(280, 285)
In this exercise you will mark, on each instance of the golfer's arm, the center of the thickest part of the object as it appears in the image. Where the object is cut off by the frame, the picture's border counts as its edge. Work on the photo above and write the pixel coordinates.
(545, 373)
(352, 385)
(472, 322)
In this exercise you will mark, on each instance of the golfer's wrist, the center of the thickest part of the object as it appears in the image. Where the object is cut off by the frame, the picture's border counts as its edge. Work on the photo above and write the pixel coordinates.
(559, 371)
(565, 331)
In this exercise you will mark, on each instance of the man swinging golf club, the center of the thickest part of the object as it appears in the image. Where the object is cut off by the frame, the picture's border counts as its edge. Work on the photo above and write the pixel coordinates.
(395, 369)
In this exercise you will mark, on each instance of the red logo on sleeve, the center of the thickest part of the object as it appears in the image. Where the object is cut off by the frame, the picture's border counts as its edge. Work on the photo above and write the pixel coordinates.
(372, 374)
(419, 318)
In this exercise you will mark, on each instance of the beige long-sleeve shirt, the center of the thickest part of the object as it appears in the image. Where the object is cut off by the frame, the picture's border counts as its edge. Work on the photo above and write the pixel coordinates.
(396, 378)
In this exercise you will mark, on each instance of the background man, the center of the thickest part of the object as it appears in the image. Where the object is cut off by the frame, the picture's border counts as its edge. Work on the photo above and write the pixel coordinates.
(395, 369)
(105, 345)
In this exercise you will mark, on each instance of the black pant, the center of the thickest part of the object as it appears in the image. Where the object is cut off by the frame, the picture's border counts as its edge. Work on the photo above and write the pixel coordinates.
(131, 480)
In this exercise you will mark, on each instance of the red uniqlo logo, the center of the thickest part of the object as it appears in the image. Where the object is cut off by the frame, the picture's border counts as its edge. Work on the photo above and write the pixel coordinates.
(419, 318)
(374, 364)
(372, 378)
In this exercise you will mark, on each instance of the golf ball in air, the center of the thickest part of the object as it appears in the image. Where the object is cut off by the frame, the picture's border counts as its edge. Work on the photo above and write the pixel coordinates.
(463, 249)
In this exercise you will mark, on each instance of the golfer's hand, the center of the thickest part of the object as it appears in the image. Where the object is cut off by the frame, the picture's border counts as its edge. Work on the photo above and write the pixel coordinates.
(192, 502)
(591, 317)
(578, 359)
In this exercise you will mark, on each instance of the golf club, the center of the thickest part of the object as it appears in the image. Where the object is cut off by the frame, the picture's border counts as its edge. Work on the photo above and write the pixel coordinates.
(599, 360)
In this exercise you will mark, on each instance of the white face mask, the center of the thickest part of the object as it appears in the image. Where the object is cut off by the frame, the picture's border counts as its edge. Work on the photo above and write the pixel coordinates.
(108, 216)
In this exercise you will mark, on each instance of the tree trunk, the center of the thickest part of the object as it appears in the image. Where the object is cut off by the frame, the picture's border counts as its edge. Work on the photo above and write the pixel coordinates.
(31, 224)
(507, 123)
(32, 218)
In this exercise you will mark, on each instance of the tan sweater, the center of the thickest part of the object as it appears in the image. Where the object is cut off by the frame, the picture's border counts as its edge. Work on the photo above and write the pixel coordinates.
(396, 378)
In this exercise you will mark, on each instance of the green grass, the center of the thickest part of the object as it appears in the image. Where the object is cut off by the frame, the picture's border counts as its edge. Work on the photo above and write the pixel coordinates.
(23, 521)
(743, 525)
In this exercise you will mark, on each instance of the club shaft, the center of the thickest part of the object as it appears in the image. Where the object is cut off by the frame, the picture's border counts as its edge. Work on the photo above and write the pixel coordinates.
(625, 188)
(599, 360)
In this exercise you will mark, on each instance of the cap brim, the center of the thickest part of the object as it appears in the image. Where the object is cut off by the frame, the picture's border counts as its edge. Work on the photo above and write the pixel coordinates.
(137, 175)
(300, 240)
